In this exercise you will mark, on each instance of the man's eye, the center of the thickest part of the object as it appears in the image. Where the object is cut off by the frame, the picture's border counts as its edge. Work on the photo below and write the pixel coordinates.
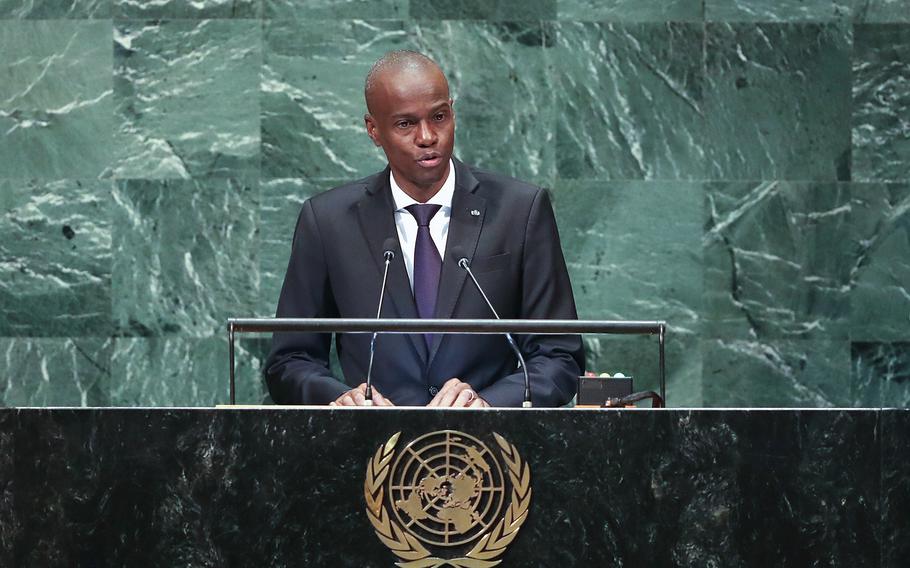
(440, 116)
(402, 124)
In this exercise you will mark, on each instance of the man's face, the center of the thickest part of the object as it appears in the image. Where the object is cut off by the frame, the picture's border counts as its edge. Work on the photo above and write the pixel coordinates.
(412, 119)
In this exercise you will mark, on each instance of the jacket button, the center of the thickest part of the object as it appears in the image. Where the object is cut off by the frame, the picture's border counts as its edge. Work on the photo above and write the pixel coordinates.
(434, 391)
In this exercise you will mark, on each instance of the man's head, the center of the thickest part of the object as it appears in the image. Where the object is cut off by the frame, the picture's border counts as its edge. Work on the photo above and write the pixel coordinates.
(410, 115)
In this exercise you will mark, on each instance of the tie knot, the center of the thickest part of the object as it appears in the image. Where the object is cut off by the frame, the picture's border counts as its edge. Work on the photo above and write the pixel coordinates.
(423, 212)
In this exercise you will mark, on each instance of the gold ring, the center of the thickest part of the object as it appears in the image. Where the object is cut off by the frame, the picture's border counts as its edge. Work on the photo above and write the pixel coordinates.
(472, 396)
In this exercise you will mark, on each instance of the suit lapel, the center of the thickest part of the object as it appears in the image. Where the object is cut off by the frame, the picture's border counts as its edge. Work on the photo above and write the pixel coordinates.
(376, 213)
(465, 224)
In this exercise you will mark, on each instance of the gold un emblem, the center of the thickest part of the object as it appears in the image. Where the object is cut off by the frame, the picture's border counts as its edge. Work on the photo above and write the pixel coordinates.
(442, 501)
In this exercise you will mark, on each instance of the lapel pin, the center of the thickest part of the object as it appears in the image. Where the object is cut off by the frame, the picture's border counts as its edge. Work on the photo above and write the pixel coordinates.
(475, 213)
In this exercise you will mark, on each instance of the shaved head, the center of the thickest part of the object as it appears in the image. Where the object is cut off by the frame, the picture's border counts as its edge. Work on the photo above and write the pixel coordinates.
(402, 60)
(410, 115)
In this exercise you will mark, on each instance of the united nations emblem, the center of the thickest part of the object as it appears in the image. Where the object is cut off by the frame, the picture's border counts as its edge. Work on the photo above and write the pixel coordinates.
(447, 499)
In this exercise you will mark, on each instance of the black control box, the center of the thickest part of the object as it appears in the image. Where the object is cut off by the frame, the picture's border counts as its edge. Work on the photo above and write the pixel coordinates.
(594, 391)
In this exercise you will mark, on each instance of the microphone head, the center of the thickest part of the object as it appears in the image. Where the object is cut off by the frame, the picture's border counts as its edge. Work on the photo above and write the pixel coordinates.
(388, 247)
(458, 255)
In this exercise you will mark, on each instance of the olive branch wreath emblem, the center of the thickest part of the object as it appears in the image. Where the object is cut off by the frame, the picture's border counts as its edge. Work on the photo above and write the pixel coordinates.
(410, 551)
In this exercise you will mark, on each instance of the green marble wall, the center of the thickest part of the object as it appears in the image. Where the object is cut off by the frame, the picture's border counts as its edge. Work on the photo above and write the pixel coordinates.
(737, 167)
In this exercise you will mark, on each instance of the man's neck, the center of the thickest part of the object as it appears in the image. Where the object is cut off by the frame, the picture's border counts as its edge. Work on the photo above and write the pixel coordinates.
(419, 193)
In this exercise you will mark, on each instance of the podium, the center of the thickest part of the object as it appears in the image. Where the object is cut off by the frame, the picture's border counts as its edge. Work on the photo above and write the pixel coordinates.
(286, 487)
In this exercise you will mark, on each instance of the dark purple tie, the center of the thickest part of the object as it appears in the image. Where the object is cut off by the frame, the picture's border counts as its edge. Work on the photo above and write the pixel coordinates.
(427, 264)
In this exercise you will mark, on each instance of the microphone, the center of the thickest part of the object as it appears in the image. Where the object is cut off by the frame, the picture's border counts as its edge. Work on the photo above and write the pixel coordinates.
(463, 262)
(388, 247)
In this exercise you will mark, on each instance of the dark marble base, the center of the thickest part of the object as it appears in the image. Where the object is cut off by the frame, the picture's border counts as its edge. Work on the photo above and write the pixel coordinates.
(178, 487)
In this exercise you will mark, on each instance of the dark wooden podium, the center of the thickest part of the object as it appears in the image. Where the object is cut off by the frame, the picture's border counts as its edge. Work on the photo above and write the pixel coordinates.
(285, 487)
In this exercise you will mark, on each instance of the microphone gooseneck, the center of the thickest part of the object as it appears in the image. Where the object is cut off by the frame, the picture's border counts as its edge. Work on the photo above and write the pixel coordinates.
(388, 254)
(463, 263)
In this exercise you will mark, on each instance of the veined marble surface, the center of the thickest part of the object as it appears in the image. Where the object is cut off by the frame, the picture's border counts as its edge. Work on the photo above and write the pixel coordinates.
(55, 9)
(736, 167)
(629, 488)
(630, 101)
(777, 97)
(777, 260)
(807, 11)
(186, 9)
(186, 98)
(881, 102)
(55, 258)
(185, 255)
(631, 10)
(53, 371)
(56, 98)
(301, 12)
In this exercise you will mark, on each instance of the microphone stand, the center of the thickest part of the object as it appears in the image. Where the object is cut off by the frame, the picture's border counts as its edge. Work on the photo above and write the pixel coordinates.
(463, 262)
(368, 395)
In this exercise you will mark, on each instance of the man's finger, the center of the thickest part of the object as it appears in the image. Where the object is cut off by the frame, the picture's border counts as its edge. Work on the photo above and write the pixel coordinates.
(464, 398)
(381, 400)
(450, 395)
(347, 400)
(358, 397)
(479, 403)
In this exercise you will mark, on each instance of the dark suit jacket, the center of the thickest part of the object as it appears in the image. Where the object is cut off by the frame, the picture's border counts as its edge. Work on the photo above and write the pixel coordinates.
(335, 270)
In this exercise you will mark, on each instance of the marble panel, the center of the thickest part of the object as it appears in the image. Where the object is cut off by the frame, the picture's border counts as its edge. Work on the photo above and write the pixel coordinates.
(9, 525)
(186, 9)
(186, 98)
(312, 96)
(185, 371)
(500, 76)
(303, 11)
(778, 10)
(777, 101)
(55, 9)
(880, 273)
(647, 269)
(510, 10)
(55, 258)
(630, 101)
(58, 491)
(881, 102)
(778, 373)
(774, 488)
(821, 481)
(895, 444)
(775, 262)
(55, 371)
(185, 255)
(759, 488)
(55, 99)
(882, 11)
(630, 10)
(118, 492)
(881, 372)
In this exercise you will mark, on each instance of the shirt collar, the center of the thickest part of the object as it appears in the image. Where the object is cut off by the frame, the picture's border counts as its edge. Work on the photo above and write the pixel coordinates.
(443, 197)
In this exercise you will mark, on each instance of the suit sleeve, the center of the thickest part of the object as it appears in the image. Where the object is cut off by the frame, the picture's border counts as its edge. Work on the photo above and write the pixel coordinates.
(554, 361)
(297, 368)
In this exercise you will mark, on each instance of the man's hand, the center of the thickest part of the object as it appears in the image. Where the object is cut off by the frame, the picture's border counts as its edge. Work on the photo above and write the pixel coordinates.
(357, 397)
(456, 394)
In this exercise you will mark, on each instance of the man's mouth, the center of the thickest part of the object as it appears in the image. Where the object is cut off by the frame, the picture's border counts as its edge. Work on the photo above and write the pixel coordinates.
(429, 160)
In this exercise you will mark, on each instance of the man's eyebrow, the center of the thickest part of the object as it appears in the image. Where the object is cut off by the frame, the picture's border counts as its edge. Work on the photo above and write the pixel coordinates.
(409, 114)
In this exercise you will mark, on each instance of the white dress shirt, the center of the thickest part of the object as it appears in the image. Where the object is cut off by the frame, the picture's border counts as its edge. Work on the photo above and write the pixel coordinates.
(407, 224)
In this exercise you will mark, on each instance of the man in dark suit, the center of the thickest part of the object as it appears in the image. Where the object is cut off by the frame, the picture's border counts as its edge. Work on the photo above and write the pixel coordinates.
(425, 206)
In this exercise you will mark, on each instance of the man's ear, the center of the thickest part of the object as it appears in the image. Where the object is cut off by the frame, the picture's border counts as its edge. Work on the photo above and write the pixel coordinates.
(371, 128)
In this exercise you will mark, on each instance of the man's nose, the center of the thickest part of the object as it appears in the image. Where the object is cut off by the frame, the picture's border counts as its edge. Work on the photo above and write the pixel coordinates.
(426, 135)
